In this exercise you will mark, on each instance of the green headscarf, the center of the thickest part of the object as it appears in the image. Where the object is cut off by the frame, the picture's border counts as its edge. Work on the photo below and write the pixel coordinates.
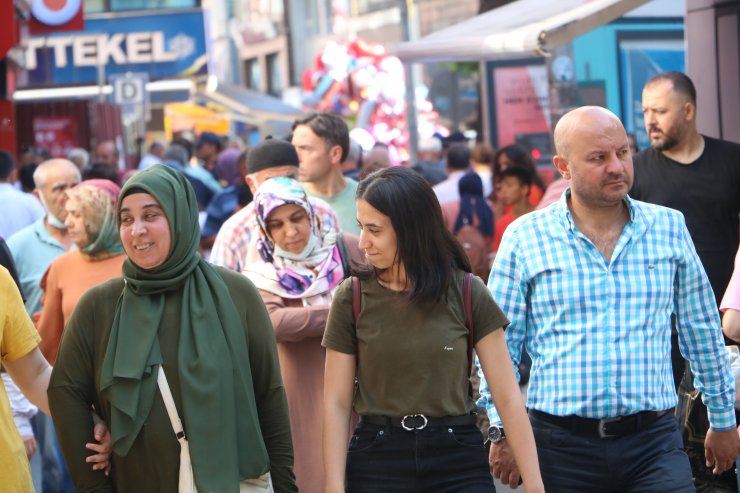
(220, 412)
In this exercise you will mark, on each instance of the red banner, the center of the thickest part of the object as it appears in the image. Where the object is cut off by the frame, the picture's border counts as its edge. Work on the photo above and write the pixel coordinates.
(56, 134)
(8, 27)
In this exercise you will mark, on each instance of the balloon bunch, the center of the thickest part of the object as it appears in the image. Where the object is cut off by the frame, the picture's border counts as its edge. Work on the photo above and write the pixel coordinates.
(365, 85)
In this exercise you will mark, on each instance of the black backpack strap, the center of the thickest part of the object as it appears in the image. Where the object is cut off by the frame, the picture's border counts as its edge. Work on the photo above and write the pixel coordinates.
(344, 254)
(469, 323)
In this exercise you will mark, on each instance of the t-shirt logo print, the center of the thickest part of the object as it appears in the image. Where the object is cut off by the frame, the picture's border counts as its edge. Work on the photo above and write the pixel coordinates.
(447, 348)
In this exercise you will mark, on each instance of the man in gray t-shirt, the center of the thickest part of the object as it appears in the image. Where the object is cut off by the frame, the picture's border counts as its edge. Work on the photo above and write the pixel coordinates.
(322, 143)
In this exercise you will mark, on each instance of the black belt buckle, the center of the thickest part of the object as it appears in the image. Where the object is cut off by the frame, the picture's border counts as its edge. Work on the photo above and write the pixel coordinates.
(603, 423)
(414, 419)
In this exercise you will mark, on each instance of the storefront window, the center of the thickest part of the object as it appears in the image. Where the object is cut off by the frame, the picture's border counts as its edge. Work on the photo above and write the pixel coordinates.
(253, 73)
(273, 74)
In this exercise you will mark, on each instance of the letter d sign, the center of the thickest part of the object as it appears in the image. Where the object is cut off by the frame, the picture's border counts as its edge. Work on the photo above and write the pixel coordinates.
(128, 90)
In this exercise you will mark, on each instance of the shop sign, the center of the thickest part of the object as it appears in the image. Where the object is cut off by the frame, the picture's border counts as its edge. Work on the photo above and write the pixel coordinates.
(162, 45)
(56, 15)
(522, 103)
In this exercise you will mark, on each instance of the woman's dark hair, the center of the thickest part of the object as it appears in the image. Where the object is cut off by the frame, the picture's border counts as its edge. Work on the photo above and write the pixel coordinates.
(520, 157)
(472, 205)
(427, 250)
(25, 176)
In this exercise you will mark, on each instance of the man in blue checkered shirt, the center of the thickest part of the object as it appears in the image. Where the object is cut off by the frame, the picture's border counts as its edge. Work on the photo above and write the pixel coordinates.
(589, 285)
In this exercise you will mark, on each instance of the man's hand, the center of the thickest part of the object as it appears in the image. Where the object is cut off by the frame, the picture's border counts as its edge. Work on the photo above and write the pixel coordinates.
(721, 448)
(30, 443)
(502, 463)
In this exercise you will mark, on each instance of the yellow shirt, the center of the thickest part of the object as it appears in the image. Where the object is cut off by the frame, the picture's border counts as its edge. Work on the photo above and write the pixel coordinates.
(18, 337)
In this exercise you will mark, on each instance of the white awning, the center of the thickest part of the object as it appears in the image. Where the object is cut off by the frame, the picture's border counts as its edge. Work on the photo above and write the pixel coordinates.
(521, 29)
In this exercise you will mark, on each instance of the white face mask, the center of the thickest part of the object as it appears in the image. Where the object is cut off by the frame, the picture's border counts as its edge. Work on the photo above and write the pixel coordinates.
(51, 218)
(310, 246)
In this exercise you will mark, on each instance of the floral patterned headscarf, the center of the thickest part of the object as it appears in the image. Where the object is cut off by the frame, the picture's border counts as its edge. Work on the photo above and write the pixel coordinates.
(314, 272)
(98, 199)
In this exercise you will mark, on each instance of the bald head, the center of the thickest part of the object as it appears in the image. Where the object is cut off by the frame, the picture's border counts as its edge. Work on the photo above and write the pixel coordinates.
(54, 166)
(593, 153)
(53, 178)
(573, 124)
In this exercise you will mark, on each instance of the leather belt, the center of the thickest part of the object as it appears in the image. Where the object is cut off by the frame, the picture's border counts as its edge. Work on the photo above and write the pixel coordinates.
(412, 422)
(604, 428)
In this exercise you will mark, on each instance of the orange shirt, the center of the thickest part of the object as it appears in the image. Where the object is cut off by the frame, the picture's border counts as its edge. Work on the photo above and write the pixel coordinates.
(501, 225)
(69, 276)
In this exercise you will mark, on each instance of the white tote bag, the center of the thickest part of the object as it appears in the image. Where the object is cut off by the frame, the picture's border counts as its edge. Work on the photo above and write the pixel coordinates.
(262, 484)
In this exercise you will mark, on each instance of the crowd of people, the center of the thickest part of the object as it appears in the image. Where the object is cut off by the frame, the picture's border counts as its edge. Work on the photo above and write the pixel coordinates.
(303, 315)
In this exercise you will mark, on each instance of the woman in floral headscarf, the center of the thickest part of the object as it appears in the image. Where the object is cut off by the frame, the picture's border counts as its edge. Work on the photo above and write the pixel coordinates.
(297, 274)
(92, 227)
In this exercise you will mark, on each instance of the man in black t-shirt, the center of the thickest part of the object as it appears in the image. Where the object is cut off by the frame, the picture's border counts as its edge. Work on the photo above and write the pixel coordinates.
(699, 176)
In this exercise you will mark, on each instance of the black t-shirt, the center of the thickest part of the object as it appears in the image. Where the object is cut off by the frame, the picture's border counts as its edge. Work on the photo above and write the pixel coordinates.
(707, 192)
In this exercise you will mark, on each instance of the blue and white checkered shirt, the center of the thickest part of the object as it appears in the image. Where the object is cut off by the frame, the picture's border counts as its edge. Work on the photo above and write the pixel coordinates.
(599, 332)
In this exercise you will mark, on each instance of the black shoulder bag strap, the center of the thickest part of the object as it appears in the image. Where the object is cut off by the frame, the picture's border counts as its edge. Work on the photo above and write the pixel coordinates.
(468, 302)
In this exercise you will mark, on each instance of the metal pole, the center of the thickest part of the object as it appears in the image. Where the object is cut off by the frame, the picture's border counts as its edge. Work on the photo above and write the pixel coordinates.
(407, 16)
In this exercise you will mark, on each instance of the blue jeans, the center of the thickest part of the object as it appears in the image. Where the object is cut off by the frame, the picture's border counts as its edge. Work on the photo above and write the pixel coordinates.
(648, 461)
(435, 460)
(55, 477)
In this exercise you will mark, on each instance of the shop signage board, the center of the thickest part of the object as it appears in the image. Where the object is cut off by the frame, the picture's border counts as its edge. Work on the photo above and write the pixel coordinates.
(163, 45)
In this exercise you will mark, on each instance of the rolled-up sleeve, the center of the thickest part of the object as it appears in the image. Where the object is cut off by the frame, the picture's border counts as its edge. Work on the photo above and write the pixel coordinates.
(700, 338)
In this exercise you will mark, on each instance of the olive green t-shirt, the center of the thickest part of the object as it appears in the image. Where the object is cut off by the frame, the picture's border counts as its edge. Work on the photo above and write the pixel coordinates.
(412, 358)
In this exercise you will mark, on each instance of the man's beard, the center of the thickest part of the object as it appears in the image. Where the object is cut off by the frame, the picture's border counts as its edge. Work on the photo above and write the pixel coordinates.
(666, 143)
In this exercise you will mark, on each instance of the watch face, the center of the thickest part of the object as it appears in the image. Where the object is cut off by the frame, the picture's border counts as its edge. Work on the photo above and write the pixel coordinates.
(495, 434)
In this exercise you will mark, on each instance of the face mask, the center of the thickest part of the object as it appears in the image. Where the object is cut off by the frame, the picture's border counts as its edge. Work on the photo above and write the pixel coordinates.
(51, 218)
(312, 243)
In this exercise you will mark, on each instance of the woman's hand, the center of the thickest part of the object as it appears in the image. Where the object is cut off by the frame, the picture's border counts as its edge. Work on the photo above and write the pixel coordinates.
(100, 460)
(29, 442)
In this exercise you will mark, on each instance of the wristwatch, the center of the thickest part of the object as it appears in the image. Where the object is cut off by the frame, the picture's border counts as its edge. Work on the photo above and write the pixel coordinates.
(496, 433)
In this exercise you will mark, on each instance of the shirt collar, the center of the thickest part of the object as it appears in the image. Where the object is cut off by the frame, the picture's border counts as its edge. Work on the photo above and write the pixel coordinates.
(566, 218)
(43, 234)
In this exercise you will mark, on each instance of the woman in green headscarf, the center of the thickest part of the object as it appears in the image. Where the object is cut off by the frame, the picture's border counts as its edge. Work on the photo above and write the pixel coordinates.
(208, 330)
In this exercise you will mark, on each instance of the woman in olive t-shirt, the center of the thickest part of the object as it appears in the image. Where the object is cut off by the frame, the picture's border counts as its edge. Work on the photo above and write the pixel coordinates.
(409, 354)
